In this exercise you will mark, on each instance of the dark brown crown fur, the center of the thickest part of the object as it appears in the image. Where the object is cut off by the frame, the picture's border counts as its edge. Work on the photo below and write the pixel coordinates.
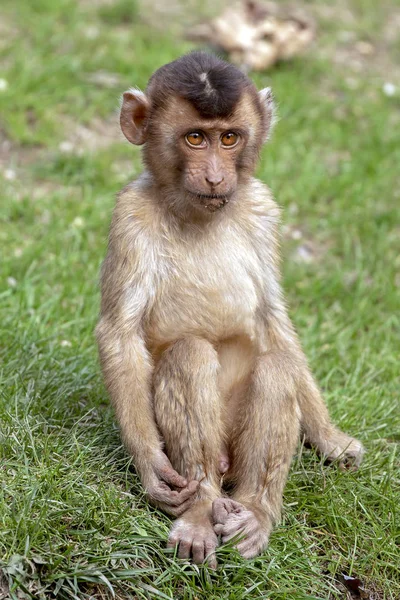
(212, 85)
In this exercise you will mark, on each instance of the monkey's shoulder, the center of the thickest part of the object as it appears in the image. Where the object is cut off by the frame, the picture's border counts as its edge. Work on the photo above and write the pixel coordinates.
(259, 202)
(134, 216)
(260, 215)
(134, 198)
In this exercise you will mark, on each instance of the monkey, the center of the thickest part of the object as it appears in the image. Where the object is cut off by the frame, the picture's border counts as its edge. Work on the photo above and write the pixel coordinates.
(209, 382)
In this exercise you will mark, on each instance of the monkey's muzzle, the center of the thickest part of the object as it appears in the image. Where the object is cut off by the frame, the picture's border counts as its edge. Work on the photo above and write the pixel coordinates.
(214, 203)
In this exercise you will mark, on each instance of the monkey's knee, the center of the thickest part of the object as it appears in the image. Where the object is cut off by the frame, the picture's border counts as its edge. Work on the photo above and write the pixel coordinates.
(187, 353)
(276, 377)
(184, 370)
(268, 426)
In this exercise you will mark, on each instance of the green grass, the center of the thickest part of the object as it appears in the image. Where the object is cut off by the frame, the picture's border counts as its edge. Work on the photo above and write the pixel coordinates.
(73, 519)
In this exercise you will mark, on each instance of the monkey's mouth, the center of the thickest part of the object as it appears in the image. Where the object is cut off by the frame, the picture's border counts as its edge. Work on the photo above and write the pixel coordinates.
(212, 202)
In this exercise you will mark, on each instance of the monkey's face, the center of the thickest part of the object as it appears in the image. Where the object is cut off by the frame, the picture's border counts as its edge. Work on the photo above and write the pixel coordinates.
(203, 160)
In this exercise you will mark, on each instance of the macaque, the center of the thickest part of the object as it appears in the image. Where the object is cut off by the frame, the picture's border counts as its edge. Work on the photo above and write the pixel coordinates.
(209, 383)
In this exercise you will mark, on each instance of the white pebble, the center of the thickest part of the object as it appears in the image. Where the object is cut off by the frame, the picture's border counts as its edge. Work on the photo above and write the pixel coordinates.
(9, 174)
(78, 222)
(365, 48)
(65, 344)
(296, 234)
(91, 32)
(304, 254)
(3, 85)
(389, 89)
(66, 146)
(352, 83)
(12, 282)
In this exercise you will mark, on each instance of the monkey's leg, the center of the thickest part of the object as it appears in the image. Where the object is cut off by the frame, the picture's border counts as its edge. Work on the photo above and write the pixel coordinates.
(188, 413)
(318, 429)
(262, 445)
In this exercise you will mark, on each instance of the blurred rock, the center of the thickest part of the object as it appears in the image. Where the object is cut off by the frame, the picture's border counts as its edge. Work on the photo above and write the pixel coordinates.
(9, 174)
(104, 79)
(304, 253)
(365, 48)
(389, 89)
(96, 135)
(12, 282)
(256, 35)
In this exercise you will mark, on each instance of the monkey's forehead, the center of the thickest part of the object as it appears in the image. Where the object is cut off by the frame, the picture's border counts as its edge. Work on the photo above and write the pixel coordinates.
(179, 113)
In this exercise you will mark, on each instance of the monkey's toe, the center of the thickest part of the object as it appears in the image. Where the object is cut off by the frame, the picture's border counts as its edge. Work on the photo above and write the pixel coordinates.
(195, 540)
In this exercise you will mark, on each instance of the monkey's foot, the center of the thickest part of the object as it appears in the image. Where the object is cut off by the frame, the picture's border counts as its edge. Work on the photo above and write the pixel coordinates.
(195, 536)
(232, 519)
(342, 448)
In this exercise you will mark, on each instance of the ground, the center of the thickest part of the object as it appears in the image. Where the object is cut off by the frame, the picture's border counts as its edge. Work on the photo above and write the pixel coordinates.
(73, 519)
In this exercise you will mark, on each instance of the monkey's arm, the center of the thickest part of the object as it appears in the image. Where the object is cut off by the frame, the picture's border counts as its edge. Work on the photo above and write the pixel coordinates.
(316, 425)
(127, 369)
(281, 339)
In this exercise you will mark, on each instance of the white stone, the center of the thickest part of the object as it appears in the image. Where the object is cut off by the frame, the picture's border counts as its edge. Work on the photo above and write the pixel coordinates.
(91, 32)
(65, 344)
(389, 89)
(9, 174)
(78, 222)
(12, 282)
(66, 146)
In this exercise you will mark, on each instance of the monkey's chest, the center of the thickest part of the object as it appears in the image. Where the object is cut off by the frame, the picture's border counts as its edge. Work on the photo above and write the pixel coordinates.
(213, 296)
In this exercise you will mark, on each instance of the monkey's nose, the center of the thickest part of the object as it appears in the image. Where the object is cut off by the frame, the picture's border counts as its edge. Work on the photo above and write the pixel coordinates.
(214, 179)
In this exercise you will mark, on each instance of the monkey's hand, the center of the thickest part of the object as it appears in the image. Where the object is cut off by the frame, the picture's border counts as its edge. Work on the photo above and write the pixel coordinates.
(167, 489)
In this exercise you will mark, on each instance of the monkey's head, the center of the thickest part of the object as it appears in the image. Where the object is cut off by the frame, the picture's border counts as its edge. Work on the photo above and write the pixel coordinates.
(202, 123)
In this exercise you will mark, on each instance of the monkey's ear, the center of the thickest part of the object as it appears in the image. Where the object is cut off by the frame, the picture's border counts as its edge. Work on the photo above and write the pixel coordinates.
(267, 102)
(134, 114)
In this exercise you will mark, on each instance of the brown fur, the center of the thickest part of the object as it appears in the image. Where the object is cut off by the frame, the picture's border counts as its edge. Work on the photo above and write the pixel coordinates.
(201, 361)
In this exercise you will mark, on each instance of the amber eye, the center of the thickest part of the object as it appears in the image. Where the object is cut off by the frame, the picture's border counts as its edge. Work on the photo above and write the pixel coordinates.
(229, 138)
(195, 138)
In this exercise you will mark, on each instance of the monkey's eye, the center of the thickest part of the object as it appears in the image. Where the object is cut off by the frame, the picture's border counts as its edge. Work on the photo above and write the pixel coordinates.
(229, 138)
(195, 138)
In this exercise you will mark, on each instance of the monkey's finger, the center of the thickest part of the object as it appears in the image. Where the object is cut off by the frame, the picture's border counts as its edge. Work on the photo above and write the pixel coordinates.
(235, 537)
(233, 531)
(219, 528)
(251, 546)
(179, 498)
(223, 507)
(192, 487)
(171, 498)
(170, 476)
(177, 511)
